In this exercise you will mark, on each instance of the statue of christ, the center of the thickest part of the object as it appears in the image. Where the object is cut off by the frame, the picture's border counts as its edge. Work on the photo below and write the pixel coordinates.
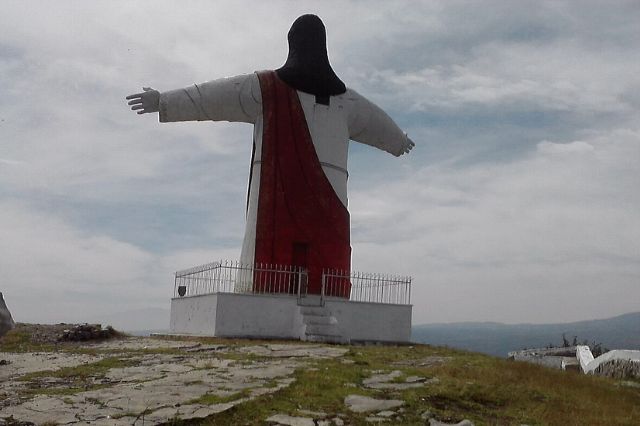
(303, 117)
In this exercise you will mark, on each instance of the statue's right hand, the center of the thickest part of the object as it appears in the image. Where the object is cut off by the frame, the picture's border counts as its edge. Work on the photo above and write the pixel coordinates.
(144, 102)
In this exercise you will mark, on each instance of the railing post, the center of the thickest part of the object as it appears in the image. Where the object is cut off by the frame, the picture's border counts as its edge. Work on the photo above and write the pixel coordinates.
(322, 289)
(299, 282)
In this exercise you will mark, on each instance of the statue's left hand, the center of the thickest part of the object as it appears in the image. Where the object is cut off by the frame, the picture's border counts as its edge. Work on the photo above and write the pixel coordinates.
(408, 146)
(145, 102)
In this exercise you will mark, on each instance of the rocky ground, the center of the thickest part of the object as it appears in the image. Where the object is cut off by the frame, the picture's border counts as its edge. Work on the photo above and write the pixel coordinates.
(143, 380)
(135, 380)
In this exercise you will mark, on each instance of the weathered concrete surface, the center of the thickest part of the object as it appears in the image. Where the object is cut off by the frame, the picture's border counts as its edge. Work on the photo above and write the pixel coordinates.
(6, 321)
(283, 419)
(279, 316)
(151, 381)
(18, 364)
(363, 404)
(584, 356)
(618, 363)
(434, 422)
(294, 350)
(161, 386)
(146, 343)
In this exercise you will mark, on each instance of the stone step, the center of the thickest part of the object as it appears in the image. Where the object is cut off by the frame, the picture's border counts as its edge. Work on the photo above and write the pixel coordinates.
(314, 310)
(320, 325)
(328, 329)
(310, 301)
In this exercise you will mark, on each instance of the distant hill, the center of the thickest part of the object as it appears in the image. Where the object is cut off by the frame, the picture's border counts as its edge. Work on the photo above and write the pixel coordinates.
(621, 332)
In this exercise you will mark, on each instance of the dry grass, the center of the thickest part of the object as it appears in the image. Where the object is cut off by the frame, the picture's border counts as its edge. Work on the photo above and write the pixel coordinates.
(483, 389)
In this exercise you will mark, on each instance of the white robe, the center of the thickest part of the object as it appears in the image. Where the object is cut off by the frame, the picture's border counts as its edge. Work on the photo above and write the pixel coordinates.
(239, 99)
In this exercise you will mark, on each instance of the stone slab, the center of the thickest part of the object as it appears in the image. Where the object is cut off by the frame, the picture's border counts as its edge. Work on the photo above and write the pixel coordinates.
(23, 363)
(363, 404)
(284, 419)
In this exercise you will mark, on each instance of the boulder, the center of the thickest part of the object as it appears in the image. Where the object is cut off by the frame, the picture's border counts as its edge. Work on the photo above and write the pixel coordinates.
(6, 322)
(84, 332)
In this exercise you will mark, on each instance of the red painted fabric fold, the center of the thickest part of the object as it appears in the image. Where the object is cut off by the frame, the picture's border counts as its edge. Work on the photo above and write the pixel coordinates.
(301, 221)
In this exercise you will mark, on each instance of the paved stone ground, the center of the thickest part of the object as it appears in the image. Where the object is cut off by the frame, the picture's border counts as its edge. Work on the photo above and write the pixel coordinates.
(152, 381)
(21, 364)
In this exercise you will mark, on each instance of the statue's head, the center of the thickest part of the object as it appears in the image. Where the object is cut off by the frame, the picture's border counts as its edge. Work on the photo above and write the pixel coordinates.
(307, 34)
(307, 68)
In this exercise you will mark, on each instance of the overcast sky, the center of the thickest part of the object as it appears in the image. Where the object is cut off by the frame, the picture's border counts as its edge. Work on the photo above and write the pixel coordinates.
(519, 203)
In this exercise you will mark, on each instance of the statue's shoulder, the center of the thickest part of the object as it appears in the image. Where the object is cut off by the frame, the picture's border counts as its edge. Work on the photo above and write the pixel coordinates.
(351, 95)
(351, 99)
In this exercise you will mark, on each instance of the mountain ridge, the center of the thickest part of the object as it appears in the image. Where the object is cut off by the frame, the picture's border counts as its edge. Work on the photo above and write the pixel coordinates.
(495, 338)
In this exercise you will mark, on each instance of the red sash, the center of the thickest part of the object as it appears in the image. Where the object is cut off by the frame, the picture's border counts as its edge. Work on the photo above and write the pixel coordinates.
(301, 220)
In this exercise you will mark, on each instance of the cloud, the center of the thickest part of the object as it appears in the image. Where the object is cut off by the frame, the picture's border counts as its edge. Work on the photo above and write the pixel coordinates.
(61, 274)
(557, 223)
(57, 271)
(552, 148)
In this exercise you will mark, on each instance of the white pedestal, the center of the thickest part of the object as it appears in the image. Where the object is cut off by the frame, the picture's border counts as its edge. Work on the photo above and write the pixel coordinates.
(283, 317)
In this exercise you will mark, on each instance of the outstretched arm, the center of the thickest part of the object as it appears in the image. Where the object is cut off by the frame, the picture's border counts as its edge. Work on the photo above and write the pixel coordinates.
(370, 125)
(226, 99)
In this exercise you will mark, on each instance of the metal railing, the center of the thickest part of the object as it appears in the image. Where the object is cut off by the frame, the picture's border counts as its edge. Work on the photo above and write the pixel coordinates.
(367, 287)
(235, 277)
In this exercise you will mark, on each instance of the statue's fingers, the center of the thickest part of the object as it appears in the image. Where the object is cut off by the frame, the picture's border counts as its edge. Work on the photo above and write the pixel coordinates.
(136, 107)
(135, 95)
(409, 146)
(141, 112)
(135, 101)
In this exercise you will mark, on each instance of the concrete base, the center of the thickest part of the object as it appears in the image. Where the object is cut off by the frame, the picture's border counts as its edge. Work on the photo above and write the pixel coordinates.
(286, 317)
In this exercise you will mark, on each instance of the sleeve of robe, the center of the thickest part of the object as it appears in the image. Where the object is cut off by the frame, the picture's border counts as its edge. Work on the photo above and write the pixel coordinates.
(227, 99)
(370, 125)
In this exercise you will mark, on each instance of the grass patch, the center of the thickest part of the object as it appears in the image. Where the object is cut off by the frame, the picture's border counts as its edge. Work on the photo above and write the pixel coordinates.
(322, 386)
(17, 340)
(84, 371)
(73, 379)
(53, 391)
(483, 389)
